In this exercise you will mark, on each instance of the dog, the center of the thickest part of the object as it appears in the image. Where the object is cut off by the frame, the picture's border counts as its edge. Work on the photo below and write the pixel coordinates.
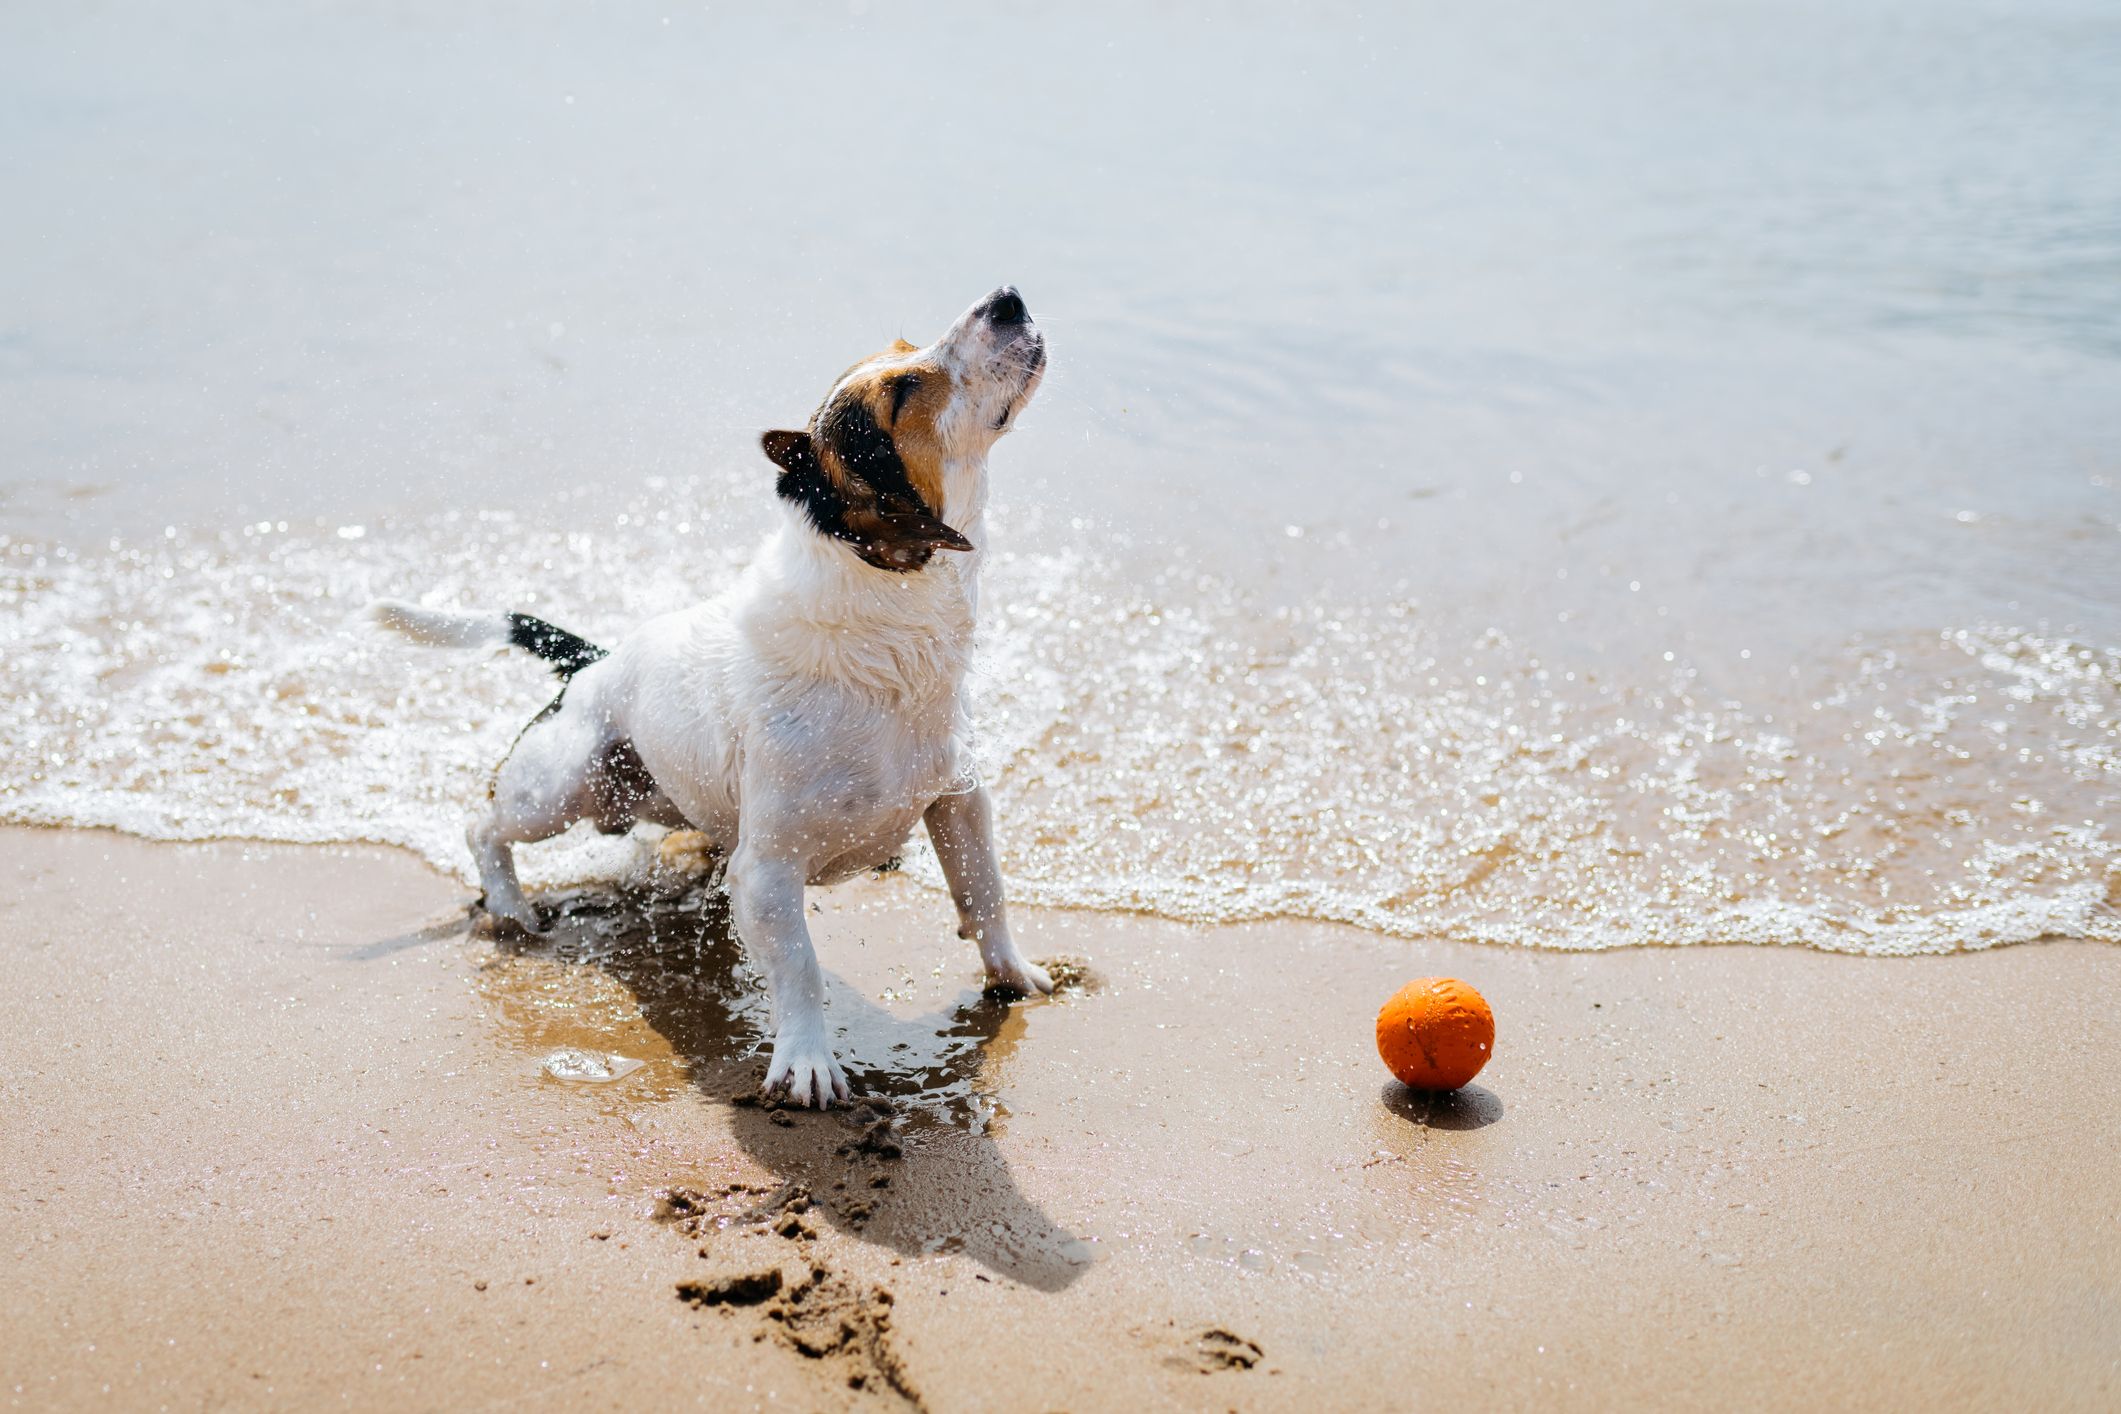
(808, 718)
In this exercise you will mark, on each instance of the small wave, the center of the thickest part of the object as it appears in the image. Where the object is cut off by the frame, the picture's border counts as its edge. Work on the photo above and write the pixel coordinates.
(1172, 747)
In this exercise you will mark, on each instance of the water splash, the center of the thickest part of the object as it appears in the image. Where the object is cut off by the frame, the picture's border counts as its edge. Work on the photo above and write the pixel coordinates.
(571, 1063)
(1173, 746)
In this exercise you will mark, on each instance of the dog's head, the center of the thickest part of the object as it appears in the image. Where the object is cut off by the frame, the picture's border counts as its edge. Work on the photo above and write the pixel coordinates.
(877, 461)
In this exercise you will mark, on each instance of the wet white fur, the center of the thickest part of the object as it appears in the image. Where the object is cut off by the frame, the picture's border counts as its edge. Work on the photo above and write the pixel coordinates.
(805, 720)
(443, 628)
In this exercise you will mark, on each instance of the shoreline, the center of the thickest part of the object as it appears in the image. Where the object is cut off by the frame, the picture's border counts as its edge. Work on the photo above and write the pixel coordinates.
(284, 1134)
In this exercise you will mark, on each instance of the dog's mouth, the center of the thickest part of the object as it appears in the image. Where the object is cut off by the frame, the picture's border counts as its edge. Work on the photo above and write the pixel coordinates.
(1029, 365)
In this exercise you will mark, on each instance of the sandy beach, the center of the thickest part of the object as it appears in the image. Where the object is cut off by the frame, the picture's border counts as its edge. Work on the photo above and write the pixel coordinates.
(281, 1134)
(1617, 505)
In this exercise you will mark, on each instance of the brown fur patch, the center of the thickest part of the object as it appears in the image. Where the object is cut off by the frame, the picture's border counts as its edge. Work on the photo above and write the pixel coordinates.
(907, 400)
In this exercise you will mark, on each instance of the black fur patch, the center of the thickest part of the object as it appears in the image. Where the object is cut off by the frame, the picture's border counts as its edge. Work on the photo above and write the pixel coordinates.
(902, 387)
(865, 449)
(568, 653)
(804, 482)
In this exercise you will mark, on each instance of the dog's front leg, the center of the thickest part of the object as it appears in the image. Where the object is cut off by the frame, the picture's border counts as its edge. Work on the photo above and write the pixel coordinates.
(766, 901)
(962, 827)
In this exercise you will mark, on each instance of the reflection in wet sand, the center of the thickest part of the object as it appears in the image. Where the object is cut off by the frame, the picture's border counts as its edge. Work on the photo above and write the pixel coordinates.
(614, 961)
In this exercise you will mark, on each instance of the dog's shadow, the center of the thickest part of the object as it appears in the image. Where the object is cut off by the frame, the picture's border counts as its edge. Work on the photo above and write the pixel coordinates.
(925, 1176)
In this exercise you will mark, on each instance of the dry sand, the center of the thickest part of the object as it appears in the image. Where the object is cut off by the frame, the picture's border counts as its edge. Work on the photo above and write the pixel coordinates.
(278, 1133)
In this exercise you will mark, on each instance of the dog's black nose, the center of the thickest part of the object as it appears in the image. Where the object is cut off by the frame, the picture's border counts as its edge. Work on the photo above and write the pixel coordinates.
(1006, 306)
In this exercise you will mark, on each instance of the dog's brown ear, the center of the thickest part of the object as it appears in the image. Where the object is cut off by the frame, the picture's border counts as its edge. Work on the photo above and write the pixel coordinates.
(917, 525)
(941, 536)
(895, 534)
(790, 451)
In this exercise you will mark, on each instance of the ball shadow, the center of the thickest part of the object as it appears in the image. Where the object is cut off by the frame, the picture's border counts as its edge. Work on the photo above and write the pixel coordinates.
(916, 1169)
(1474, 1107)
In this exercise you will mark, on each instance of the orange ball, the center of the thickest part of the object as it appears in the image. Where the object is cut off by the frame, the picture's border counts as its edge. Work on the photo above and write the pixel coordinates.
(1436, 1033)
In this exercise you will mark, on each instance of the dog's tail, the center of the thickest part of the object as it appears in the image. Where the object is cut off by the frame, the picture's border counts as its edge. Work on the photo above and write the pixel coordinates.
(566, 652)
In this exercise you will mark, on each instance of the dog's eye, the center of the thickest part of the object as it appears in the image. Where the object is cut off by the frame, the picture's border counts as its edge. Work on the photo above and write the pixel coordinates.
(902, 388)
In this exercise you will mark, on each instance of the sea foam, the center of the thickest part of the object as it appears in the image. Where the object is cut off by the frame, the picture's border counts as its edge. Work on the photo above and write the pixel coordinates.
(1167, 745)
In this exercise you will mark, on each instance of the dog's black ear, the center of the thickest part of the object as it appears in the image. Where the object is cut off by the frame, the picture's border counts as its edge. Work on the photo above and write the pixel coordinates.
(790, 451)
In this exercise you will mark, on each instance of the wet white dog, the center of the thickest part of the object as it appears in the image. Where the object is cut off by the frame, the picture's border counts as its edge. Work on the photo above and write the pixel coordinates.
(807, 718)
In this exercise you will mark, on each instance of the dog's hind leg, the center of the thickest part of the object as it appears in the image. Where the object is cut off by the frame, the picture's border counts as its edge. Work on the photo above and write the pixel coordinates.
(549, 781)
(493, 850)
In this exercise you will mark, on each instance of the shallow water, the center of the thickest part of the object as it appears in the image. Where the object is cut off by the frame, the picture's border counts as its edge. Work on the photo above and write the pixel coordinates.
(663, 962)
(1560, 478)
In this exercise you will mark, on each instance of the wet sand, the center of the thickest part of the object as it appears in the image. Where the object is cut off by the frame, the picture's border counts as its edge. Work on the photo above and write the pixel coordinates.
(279, 1133)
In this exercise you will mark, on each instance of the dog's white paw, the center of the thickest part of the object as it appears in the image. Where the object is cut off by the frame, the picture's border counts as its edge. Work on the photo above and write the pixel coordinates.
(809, 1071)
(512, 907)
(1019, 975)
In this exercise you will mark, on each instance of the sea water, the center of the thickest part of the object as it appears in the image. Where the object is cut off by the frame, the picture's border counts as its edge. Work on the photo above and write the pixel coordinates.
(1568, 476)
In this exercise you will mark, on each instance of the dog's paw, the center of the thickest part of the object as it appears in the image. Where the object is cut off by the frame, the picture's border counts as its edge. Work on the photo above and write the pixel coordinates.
(809, 1072)
(518, 912)
(1019, 977)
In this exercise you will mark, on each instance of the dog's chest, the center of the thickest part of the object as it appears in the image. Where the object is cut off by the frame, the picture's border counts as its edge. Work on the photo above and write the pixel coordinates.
(864, 809)
(827, 724)
(838, 781)
(876, 848)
